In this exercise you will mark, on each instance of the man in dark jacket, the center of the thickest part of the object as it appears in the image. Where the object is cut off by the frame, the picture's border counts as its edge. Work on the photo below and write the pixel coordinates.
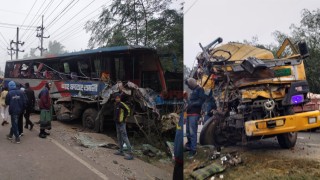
(121, 111)
(196, 99)
(45, 111)
(31, 102)
(17, 102)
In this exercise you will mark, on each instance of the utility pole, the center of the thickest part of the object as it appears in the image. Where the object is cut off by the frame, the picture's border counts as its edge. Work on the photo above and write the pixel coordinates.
(11, 49)
(17, 45)
(40, 35)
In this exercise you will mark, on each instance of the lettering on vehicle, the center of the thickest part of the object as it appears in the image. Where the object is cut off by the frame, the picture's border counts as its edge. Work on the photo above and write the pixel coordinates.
(80, 87)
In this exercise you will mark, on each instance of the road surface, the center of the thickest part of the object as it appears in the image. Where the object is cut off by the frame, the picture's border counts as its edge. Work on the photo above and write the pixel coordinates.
(60, 157)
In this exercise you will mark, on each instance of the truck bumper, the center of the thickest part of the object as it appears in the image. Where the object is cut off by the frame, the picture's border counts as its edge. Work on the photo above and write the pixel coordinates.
(283, 124)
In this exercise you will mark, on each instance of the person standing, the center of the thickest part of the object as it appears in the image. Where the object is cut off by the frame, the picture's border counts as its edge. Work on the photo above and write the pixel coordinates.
(45, 114)
(31, 102)
(121, 112)
(17, 102)
(4, 109)
(196, 99)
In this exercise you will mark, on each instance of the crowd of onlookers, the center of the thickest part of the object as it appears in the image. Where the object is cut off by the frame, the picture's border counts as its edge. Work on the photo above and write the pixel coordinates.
(19, 101)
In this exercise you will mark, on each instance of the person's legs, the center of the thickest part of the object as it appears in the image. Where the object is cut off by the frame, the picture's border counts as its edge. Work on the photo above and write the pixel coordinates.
(27, 117)
(187, 145)
(120, 142)
(125, 139)
(20, 124)
(193, 128)
(14, 127)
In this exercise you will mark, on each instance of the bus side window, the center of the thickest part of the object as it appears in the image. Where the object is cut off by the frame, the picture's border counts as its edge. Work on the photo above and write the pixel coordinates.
(16, 70)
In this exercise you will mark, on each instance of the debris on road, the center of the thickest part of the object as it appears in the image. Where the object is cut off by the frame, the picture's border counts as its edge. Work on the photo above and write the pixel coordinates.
(209, 162)
(207, 171)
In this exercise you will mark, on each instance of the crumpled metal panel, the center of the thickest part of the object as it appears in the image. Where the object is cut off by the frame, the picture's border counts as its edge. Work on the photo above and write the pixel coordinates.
(241, 51)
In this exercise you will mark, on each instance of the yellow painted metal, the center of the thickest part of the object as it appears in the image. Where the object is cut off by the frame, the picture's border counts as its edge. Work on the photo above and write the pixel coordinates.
(292, 123)
(253, 94)
(241, 51)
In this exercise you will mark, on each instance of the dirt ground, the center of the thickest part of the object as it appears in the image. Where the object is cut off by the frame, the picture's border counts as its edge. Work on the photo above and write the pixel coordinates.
(264, 159)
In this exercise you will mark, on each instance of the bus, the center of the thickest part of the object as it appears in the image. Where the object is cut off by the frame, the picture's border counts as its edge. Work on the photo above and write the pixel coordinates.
(79, 78)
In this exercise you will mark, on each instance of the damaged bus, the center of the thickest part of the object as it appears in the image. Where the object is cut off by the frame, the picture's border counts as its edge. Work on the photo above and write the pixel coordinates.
(83, 82)
(255, 93)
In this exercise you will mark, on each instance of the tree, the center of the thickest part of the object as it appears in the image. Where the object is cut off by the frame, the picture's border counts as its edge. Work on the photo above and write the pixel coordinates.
(31, 54)
(166, 34)
(307, 30)
(130, 17)
(55, 48)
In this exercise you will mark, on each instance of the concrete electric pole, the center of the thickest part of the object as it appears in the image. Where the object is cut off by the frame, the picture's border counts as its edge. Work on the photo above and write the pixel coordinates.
(17, 45)
(40, 35)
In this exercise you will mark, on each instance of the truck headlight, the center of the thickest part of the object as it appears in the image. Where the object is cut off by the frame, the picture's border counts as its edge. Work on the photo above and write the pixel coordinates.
(312, 120)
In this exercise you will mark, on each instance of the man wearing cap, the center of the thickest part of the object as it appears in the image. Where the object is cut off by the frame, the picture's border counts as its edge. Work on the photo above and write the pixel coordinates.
(121, 112)
(17, 102)
(195, 101)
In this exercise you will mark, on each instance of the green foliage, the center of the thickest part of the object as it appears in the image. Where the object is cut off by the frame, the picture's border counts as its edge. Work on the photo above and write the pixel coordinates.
(140, 22)
(130, 17)
(55, 47)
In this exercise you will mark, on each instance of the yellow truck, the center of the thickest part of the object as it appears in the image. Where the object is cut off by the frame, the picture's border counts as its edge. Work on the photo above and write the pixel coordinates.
(255, 93)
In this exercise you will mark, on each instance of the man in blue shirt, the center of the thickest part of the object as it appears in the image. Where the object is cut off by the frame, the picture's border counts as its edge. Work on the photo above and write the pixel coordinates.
(17, 101)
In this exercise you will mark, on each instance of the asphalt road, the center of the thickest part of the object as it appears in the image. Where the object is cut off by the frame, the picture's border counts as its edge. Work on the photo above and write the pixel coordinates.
(59, 157)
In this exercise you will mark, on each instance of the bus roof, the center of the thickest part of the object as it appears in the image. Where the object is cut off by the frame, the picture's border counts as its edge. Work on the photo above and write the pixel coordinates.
(93, 51)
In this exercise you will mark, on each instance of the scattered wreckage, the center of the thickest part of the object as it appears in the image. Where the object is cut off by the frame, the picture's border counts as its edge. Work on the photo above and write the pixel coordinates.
(82, 84)
(142, 102)
(255, 93)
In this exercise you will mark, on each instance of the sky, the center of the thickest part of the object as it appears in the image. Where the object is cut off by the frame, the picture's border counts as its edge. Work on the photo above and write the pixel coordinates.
(63, 21)
(238, 20)
(64, 26)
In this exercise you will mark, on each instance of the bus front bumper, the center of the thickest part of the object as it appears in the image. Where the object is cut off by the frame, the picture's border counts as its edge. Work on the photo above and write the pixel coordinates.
(283, 124)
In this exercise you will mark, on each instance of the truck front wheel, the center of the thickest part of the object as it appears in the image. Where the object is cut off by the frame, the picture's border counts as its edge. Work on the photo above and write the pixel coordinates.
(287, 140)
(89, 119)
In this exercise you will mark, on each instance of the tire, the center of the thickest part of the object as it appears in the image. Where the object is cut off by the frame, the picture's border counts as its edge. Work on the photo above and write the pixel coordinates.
(89, 119)
(208, 135)
(287, 140)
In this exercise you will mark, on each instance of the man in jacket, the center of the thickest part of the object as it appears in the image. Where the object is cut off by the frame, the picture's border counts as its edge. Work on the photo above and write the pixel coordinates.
(196, 99)
(121, 112)
(17, 102)
(45, 113)
(31, 102)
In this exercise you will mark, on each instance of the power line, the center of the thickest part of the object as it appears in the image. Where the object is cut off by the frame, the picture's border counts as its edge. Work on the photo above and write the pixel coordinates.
(54, 10)
(15, 25)
(4, 39)
(33, 19)
(191, 6)
(77, 23)
(74, 16)
(15, 28)
(61, 13)
(28, 13)
(63, 36)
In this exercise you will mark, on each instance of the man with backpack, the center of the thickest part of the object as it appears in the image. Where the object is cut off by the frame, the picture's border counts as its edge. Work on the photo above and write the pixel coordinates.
(121, 112)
